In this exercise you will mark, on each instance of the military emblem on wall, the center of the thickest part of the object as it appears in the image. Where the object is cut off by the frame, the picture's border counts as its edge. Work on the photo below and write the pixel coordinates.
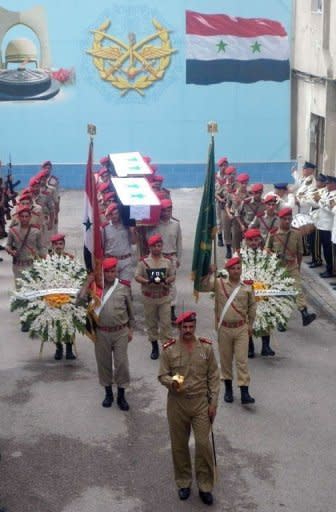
(132, 65)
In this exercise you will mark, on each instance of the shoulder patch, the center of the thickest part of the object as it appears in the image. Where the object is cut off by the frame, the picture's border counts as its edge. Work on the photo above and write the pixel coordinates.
(125, 282)
(169, 343)
(205, 340)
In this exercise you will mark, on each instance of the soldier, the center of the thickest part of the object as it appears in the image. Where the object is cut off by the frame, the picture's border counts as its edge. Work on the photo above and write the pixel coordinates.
(112, 315)
(253, 206)
(104, 175)
(53, 186)
(45, 200)
(224, 188)
(188, 368)
(287, 199)
(170, 231)
(219, 186)
(286, 242)
(267, 220)
(25, 199)
(236, 310)
(234, 209)
(156, 273)
(117, 242)
(24, 243)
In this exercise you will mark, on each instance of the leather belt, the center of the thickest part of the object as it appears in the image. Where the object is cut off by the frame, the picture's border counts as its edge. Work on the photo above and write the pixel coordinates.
(115, 328)
(233, 325)
(123, 257)
(157, 295)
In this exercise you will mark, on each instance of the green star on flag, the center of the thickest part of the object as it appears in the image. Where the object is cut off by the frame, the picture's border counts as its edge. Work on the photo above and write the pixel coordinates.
(87, 224)
(256, 47)
(221, 46)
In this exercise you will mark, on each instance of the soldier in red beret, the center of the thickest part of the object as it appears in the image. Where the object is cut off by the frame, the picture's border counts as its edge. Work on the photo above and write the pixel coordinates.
(253, 206)
(234, 209)
(286, 242)
(156, 274)
(189, 370)
(112, 318)
(58, 245)
(225, 185)
(269, 219)
(236, 310)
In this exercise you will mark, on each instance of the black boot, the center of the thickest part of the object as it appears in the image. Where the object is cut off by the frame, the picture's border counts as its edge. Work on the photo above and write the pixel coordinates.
(266, 349)
(307, 318)
(282, 327)
(24, 327)
(68, 351)
(220, 240)
(228, 395)
(251, 348)
(155, 350)
(121, 400)
(172, 314)
(245, 396)
(59, 352)
(108, 400)
(228, 252)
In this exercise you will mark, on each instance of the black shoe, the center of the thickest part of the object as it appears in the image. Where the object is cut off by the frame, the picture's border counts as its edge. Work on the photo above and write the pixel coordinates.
(155, 350)
(184, 493)
(1, 259)
(326, 274)
(121, 400)
(307, 318)
(2, 248)
(68, 351)
(228, 395)
(315, 264)
(108, 400)
(266, 349)
(206, 497)
(282, 328)
(220, 240)
(24, 327)
(246, 398)
(228, 254)
(251, 348)
(59, 352)
(173, 317)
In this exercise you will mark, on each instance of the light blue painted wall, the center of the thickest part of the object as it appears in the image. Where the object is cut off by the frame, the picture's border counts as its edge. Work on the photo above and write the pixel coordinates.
(169, 123)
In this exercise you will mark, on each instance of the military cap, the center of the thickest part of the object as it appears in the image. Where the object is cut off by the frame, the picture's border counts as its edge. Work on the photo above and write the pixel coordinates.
(57, 237)
(187, 316)
(222, 161)
(102, 187)
(285, 212)
(331, 179)
(47, 163)
(154, 239)
(108, 195)
(104, 160)
(23, 209)
(257, 187)
(322, 178)
(230, 170)
(109, 263)
(270, 198)
(243, 177)
(281, 186)
(232, 261)
(252, 233)
(25, 195)
(166, 203)
(309, 165)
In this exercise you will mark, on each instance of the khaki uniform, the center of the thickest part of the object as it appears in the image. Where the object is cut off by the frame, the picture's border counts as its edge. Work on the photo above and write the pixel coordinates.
(233, 334)
(45, 200)
(37, 219)
(172, 246)
(156, 298)
(225, 222)
(250, 210)
(289, 248)
(265, 224)
(189, 408)
(111, 345)
(235, 205)
(26, 253)
(117, 244)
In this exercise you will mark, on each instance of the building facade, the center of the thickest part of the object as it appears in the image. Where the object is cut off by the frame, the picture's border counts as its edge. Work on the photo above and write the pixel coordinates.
(314, 83)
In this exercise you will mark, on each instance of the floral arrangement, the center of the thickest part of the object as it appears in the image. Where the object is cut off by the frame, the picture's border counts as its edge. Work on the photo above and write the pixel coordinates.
(274, 289)
(47, 299)
(64, 76)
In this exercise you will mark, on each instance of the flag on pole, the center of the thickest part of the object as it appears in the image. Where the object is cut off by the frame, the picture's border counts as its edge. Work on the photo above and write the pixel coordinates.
(221, 48)
(206, 225)
(93, 250)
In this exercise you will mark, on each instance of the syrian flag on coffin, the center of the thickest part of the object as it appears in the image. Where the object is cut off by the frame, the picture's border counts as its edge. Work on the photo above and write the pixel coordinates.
(221, 48)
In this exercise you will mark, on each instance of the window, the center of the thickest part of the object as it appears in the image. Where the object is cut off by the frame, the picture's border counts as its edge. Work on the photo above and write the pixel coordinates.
(317, 5)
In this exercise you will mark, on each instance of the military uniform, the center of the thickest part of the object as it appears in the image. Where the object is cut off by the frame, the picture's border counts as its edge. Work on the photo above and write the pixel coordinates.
(156, 298)
(45, 200)
(189, 408)
(117, 244)
(265, 224)
(235, 205)
(250, 210)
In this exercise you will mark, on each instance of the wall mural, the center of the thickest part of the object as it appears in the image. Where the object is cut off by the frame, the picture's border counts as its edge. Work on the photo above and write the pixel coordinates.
(32, 78)
(134, 66)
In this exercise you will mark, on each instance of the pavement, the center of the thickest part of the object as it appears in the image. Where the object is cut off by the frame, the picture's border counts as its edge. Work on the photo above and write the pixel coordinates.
(62, 452)
(319, 290)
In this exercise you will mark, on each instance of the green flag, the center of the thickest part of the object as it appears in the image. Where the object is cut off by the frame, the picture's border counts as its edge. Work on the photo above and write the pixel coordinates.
(206, 226)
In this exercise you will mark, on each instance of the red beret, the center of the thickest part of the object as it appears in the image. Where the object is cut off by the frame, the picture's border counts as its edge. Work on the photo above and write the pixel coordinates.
(108, 195)
(243, 178)
(154, 239)
(34, 181)
(104, 160)
(232, 261)
(270, 197)
(111, 207)
(102, 171)
(222, 161)
(284, 212)
(109, 263)
(187, 316)
(257, 187)
(102, 187)
(252, 233)
(23, 209)
(230, 170)
(57, 237)
(166, 203)
(25, 195)
(147, 159)
(157, 177)
(47, 163)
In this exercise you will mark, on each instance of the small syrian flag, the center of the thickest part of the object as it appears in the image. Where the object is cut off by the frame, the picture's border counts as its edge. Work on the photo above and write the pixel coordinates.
(93, 251)
(221, 48)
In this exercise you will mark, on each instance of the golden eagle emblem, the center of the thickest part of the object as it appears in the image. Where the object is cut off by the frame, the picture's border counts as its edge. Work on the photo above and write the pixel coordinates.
(134, 66)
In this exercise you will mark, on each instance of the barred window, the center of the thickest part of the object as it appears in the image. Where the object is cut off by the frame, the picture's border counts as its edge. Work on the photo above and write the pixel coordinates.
(317, 5)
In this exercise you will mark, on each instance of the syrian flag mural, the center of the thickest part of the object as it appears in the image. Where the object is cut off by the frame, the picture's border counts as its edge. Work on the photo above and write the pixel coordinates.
(221, 48)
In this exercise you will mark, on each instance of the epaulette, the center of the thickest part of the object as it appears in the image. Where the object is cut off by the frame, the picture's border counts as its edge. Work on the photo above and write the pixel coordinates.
(205, 340)
(125, 282)
(168, 343)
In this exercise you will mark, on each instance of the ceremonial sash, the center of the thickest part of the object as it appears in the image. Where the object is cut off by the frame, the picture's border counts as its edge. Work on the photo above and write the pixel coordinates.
(228, 303)
(106, 297)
